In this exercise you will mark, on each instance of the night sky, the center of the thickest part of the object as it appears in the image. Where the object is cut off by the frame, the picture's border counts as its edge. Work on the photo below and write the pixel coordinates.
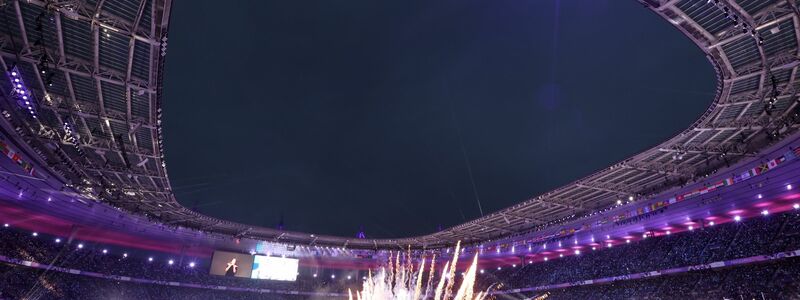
(338, 114)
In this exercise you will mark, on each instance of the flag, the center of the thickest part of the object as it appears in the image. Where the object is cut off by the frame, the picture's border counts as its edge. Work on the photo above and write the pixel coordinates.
(772, 163)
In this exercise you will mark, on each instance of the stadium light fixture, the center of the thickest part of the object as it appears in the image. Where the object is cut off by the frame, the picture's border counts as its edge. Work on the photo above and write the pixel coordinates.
(545, 259)
(124, 255)
(764, 212)
(191, 265)
(669, 232)
(691, 227)
(105, 251)
(482, 271)
(796, 206)
(711, 223)
(150, 259)
(627, 241)
(788, 187)
(737, 218)
(630, 198)
(333, 276)
(759, 196)
(58, 240)
(315, 275)
(80, 246)
(530, 262)
(619, 202)
(499, 268)
(608, 245)
(577, 252)
(594, 248)
(514, 265)
(170, 262)
(35, 234)
(561, 255)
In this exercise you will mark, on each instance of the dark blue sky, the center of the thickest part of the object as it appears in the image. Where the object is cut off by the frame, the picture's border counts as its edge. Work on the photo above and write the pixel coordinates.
(340, 114)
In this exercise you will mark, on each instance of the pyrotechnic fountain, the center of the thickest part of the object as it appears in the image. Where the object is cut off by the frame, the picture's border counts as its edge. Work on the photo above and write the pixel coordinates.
(400, 281)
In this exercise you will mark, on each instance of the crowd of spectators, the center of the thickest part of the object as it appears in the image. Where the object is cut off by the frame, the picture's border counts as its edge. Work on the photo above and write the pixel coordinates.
(27, 283)
(756, 236)
(22, 245)
(778, 280)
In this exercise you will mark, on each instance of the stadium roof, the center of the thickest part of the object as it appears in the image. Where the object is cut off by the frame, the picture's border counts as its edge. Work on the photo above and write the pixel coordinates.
(98, 115)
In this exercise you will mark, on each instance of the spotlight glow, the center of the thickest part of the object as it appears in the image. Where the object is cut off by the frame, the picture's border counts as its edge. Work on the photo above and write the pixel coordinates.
(80, 246)
(191, 265)
(58, 240)
(35, 234)
(171, 262)
(105, 251)
(737, 218)
(764, 212)
(150, 259)
(796, 206)
(711, 223)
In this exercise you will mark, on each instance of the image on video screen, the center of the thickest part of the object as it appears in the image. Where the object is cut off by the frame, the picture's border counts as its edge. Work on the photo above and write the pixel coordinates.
(231, 264)
(275, 268)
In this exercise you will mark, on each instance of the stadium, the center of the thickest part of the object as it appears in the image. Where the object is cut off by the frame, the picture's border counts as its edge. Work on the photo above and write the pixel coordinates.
(89, 211)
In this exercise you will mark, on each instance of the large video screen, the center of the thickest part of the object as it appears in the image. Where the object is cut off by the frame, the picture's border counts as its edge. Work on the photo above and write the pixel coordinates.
(275, 268)
(231, 264)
